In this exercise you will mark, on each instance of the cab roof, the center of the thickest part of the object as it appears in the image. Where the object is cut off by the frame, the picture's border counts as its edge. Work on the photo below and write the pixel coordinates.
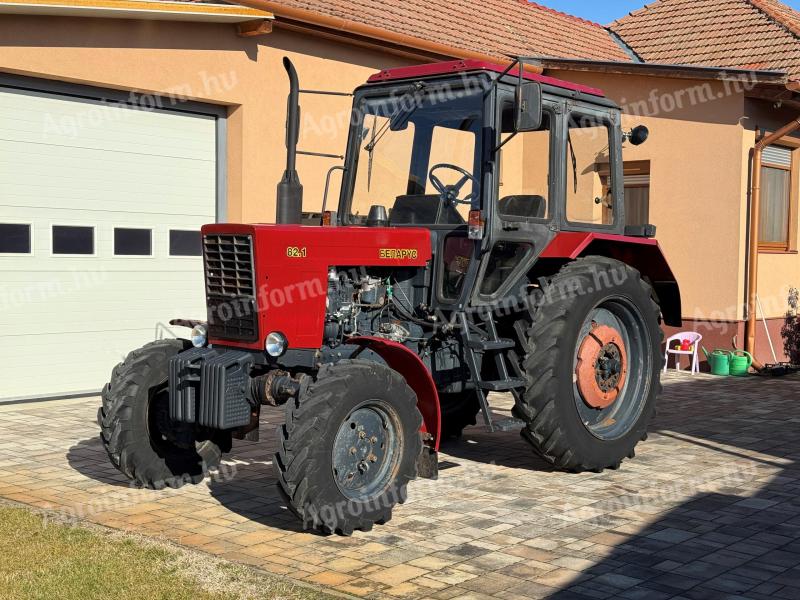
(465, 66)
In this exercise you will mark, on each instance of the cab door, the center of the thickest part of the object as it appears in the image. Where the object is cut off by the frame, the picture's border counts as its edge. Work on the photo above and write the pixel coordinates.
(593, 199)
(523, 209)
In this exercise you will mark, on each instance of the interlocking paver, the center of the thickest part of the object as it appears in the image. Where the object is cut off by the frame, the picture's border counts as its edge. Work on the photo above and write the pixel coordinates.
(708, 508)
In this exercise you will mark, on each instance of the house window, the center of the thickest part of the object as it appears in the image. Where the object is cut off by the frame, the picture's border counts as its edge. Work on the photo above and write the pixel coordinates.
(15, 238)
(73, 239)
(637, 192)
(777, 200)
(132, 242)
(185, 243)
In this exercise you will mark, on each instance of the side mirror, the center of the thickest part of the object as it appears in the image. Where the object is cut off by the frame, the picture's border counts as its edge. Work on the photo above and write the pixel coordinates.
(528, 107)
(638, 135)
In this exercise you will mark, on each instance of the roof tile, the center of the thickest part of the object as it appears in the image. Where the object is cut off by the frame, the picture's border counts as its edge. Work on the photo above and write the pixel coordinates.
(494, 27)
(749, 34)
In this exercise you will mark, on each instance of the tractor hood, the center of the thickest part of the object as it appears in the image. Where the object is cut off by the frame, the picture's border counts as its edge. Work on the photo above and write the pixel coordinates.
(289, 267)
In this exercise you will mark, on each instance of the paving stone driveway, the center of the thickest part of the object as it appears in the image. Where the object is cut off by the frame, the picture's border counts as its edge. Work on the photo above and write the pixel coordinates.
(708, 509)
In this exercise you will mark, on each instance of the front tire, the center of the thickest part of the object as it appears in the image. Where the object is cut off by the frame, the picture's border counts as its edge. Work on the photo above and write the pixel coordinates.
(136, 431)
(593, 364)
(349, 447)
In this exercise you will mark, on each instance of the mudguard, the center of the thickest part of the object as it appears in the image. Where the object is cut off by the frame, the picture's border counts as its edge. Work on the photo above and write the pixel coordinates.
(643, 254)
(413, 370)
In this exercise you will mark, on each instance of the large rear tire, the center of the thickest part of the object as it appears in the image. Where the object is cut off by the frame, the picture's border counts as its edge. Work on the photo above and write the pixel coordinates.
(349, 447)
(136, 431)
(593, 362)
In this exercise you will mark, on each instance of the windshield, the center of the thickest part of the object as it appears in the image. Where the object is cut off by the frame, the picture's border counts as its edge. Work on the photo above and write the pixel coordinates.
(401, 138)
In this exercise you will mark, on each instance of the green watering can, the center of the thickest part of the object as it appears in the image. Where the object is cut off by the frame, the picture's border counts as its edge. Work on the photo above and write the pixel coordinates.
(719, 361)
(724, 363)
(741, 362)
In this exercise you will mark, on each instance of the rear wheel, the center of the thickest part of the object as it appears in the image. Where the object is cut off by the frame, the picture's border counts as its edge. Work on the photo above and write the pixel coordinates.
(136, 430)
(349, 447)
(459, 411)
(593, 365)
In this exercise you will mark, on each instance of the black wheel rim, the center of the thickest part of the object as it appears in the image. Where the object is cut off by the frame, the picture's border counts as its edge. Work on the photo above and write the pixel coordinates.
(166, 438)
(618, 419)
(366, 451)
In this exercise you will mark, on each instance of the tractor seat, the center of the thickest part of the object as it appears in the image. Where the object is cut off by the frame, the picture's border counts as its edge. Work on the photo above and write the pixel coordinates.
(421, 210)
(527, 207)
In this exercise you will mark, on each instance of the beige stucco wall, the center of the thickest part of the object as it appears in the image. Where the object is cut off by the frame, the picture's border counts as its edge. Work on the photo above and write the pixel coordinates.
(209, 62)
(698, 148)
(696, 191)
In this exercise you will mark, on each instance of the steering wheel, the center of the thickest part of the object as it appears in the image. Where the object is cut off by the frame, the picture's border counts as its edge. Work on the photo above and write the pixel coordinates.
(450, 193)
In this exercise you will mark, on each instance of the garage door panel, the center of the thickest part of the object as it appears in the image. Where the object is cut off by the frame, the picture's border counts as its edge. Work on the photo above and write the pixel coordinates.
(80, 315)
(163, 184)
(38, 119)
(64, 372)
(42, 216)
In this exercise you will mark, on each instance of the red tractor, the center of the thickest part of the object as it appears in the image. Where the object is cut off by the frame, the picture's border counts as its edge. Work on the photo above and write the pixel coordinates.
(479, 245)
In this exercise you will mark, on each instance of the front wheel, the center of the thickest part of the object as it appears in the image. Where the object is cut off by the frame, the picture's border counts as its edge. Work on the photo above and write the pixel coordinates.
(593, 365)
(136, 430)
(349, 447)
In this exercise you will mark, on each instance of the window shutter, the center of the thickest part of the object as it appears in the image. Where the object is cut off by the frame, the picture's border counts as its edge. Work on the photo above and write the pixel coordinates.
(637, 180)
(778, 155)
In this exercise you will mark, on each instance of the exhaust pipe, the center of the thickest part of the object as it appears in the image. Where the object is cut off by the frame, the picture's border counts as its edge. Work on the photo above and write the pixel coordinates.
(289, 208)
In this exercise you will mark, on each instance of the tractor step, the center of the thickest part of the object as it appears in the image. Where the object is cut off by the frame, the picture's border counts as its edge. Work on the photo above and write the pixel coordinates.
(509, 424)
(491, 345)
(503, 385)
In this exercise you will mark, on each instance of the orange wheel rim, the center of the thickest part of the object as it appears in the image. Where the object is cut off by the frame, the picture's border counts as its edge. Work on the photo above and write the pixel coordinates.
(602, 366)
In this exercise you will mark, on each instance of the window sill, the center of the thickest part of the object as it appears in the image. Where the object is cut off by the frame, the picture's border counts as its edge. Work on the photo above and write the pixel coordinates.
(776, 251)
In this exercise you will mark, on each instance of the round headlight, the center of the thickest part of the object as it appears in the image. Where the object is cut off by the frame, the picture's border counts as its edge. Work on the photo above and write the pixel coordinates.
(199, 336)
(276, 344)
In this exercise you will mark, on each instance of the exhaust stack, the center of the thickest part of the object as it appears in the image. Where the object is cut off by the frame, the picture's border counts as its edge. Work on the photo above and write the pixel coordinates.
(289, 209)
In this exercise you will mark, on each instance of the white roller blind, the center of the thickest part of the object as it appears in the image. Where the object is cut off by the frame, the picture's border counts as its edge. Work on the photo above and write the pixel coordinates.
(778, 155)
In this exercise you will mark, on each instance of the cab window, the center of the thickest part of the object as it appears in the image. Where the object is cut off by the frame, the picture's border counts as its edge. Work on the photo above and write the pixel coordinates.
(588, 195)
(524, 171)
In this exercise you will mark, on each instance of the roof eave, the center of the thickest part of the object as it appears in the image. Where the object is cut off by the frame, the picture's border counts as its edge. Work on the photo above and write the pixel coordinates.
(135, 9)
(661, 70)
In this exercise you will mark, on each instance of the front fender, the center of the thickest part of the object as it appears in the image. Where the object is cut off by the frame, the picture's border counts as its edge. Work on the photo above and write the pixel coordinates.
(413, 370)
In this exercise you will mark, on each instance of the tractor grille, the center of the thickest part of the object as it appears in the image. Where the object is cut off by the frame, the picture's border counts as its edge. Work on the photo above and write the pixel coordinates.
(230, 287)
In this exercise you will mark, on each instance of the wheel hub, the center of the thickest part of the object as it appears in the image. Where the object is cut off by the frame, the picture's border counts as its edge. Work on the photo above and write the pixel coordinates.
(362, 451)
(601, 367)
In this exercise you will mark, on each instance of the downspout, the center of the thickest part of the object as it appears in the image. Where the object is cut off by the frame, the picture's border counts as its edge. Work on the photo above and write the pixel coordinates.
(755, 216)
(348, 26)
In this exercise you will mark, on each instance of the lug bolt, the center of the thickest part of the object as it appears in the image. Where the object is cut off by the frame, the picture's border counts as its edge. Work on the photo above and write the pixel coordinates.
(353, 451)
(372, 458)
(363, 467)
(373, 439)
(362, 435)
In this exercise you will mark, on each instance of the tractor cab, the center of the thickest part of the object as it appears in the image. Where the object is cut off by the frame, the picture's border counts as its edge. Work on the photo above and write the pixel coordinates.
(493, 161)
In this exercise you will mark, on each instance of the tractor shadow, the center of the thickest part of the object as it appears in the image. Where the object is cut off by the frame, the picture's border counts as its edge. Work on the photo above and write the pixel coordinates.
(244, 483)
(502, 448)
(89, 458)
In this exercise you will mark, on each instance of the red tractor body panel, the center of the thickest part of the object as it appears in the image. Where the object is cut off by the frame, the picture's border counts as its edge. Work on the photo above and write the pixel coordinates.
(292, 262)
(416, 374)
(643, 254)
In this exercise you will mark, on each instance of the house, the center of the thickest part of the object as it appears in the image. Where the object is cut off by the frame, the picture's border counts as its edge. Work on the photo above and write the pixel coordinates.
(127, 124)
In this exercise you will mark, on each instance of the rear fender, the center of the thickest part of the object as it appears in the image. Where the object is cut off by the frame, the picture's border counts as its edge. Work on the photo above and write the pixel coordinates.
(643, 254)
(413, 370)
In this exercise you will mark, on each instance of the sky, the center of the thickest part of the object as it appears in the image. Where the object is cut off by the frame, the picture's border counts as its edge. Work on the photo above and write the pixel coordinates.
(605, 11)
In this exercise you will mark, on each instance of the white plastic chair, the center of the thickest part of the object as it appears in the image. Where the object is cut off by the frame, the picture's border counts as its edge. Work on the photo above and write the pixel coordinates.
(695, 339)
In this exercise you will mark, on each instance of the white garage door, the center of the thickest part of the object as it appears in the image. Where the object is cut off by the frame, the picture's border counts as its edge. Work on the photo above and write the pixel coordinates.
(100, 210)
